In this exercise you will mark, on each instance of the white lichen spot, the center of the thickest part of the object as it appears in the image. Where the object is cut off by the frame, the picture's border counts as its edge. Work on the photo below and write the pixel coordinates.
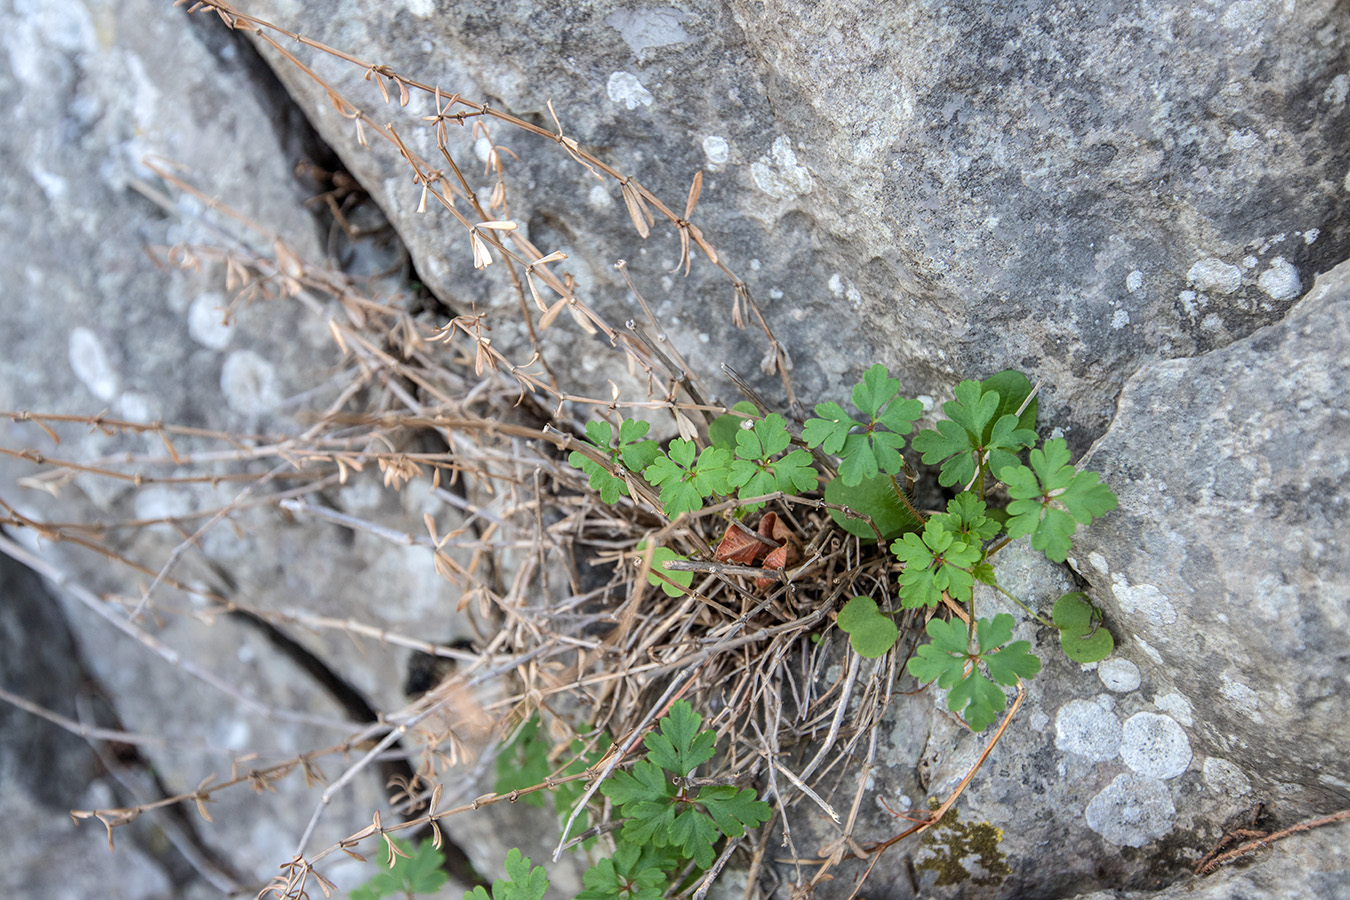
(91, 365)
(249, 383)
(716, 149)
(1249, 262)
(1224, 778)
(1243, 698)
(1311, 235)
(1134, 281)
(1337, 91)
(780, 176)
(1346, 183)
(1155, 746)
(1131, 811)
(599, 198)
(704, 337)
(1143, 600)
(1119, 675)
(482, 148)
(927, 401)
(1280, 281)
(643, 29)
(206, 321)
(625, 88)
(755, 264)
(423, 9)
(1120, 319)
(1038, 721)
(1188, 299)
(1177, 706)
(1087, 729)
(1214, 276)
(836, 284)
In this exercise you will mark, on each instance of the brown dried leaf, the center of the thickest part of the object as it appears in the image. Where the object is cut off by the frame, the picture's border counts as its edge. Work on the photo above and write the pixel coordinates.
(694, 190)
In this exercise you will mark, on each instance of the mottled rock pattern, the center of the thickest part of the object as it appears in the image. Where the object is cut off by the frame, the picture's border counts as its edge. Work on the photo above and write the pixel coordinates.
(1226, 562)
(949, 189)
(90, 325)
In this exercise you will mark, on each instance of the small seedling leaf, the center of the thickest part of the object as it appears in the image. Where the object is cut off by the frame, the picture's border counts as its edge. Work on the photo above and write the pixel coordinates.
(661, 556)
(1080, 630)
(869, 632)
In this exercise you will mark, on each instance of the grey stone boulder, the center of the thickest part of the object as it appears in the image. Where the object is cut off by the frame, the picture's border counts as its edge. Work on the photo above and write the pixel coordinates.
(1226, 565)
(90, 324)
(948, 190)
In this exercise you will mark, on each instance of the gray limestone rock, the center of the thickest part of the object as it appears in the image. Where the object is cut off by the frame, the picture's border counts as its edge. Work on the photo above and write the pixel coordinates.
(948, 190)
(1226, 563)
(951, 190)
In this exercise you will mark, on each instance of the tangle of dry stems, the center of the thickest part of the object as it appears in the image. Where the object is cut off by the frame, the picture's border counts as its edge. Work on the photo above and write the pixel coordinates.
(597, 647)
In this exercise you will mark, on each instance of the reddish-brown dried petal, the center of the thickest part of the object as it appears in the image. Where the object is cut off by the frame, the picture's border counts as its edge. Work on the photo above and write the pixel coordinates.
(739, 548)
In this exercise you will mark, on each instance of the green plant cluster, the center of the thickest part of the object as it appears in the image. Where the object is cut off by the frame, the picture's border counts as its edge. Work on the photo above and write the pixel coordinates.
(979, 447)
(669, 830)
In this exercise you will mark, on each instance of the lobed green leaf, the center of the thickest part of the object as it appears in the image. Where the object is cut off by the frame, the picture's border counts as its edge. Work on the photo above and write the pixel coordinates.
(678, 746)
(521, 882)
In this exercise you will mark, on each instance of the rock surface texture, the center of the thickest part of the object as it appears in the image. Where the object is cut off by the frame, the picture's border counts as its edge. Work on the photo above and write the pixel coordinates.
(947, 189)
(1143, 205)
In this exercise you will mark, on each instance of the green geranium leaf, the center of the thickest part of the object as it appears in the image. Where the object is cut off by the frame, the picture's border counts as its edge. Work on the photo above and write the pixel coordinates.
(876, 390)
(766, 438)
(976, 428)
(624, 876)
(686, 476)
(1051, 499)
(981, 699)
(869, 632)
(633, 453)
(734, 810)
(875, 447)
(521, 882)
(829, 431)
(969, 521)
(935, 562)
(949, 660)
(678, 746)
(660, 815)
